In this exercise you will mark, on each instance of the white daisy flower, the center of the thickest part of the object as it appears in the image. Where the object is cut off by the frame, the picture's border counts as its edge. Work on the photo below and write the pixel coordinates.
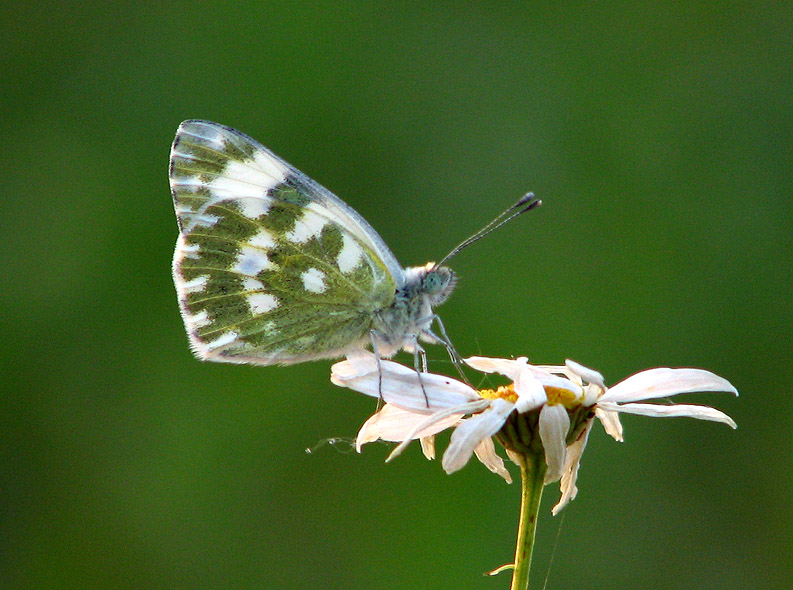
(545, 411)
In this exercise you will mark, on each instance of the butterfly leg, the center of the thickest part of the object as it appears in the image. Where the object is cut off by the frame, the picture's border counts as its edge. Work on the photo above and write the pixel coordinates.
(420, 360)
(420, 364)
(373, 335)
(422, 356)
(444, 339)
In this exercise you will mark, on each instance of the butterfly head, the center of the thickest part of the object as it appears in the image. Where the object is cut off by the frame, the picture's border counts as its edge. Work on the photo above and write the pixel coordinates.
(435, 282)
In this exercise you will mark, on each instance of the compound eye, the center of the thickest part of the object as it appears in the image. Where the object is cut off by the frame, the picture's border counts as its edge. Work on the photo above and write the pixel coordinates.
(439, 284)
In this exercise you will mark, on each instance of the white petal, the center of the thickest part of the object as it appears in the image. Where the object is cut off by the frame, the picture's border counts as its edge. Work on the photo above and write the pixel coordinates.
(570, 472)
(672, 411)
(663, 382)
(587, 374)
(507, 367)
(592, 394)
(381, 424)
(547, 379)
(400, 385)
(561, 370)
(428, 446)
(395, 424)
(531, 393)
(359, 362)
(467, 436)
(438, 417)
(516, 458)
(611, 423)
(554, 424)
(486, 453)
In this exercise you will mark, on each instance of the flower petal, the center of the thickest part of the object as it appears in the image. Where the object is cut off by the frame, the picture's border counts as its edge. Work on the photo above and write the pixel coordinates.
(663, 382)
(554, 424)
(516, 458)
(441, 415)
(672, 411)
(486, 453)
(585, 373)
(390, 423)
(400, 385)
(611, 422)
(507, 367)
(531, 393)
(570, 472)
(546, 380)
(395, 424)
(467, 436)
(428, 446)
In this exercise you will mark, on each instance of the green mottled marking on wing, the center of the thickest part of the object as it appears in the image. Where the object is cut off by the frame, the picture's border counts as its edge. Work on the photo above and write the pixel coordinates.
(303, 322)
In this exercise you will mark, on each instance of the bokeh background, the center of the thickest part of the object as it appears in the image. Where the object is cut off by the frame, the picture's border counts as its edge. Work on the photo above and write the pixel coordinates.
(660, 138)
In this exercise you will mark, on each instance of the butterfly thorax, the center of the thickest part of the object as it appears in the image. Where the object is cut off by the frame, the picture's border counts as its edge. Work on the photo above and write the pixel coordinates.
(409, 317)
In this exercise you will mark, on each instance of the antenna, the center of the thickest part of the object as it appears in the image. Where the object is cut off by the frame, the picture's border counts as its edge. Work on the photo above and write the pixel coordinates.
(526, 203)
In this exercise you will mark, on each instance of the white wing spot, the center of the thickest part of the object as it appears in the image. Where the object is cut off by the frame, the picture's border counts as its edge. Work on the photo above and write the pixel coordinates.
(205, 220)
(196, 285)
(314, 280)
(190, 184)
(184, 250)
(183, 155)
(350, 254)
(252, 284)
(252, 179)
(251, 261)
(199, 320)
(263, 239)
(182, 209)
(262, 302)
(213, 137)
(306, 227)
(270, 166)
(253, 207)
(221, 341)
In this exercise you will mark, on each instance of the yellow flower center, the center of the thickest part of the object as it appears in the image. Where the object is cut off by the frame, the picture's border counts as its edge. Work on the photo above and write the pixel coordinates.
(565, 397)
(555, 395)
(506, 392)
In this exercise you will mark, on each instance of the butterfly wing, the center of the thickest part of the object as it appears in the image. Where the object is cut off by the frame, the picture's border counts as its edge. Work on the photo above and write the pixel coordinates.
(270, 267)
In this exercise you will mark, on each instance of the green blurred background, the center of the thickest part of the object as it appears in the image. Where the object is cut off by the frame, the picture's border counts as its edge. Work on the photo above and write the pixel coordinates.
(660, 138)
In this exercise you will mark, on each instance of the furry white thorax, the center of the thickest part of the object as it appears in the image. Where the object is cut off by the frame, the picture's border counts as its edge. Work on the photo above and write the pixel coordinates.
(410, 317)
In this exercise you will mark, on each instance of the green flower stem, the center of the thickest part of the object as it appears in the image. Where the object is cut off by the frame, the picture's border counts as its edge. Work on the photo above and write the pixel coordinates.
(532, 475)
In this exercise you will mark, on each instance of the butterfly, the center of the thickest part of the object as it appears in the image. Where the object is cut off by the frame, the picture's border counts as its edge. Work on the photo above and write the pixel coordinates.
(272, 268)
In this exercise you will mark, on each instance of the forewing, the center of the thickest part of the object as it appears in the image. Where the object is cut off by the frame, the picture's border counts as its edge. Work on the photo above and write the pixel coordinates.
(269, 266)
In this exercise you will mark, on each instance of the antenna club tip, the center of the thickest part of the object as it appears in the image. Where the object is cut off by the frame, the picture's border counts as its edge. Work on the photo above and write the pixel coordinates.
(529, 202)
(528, 198)
(524, 199)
